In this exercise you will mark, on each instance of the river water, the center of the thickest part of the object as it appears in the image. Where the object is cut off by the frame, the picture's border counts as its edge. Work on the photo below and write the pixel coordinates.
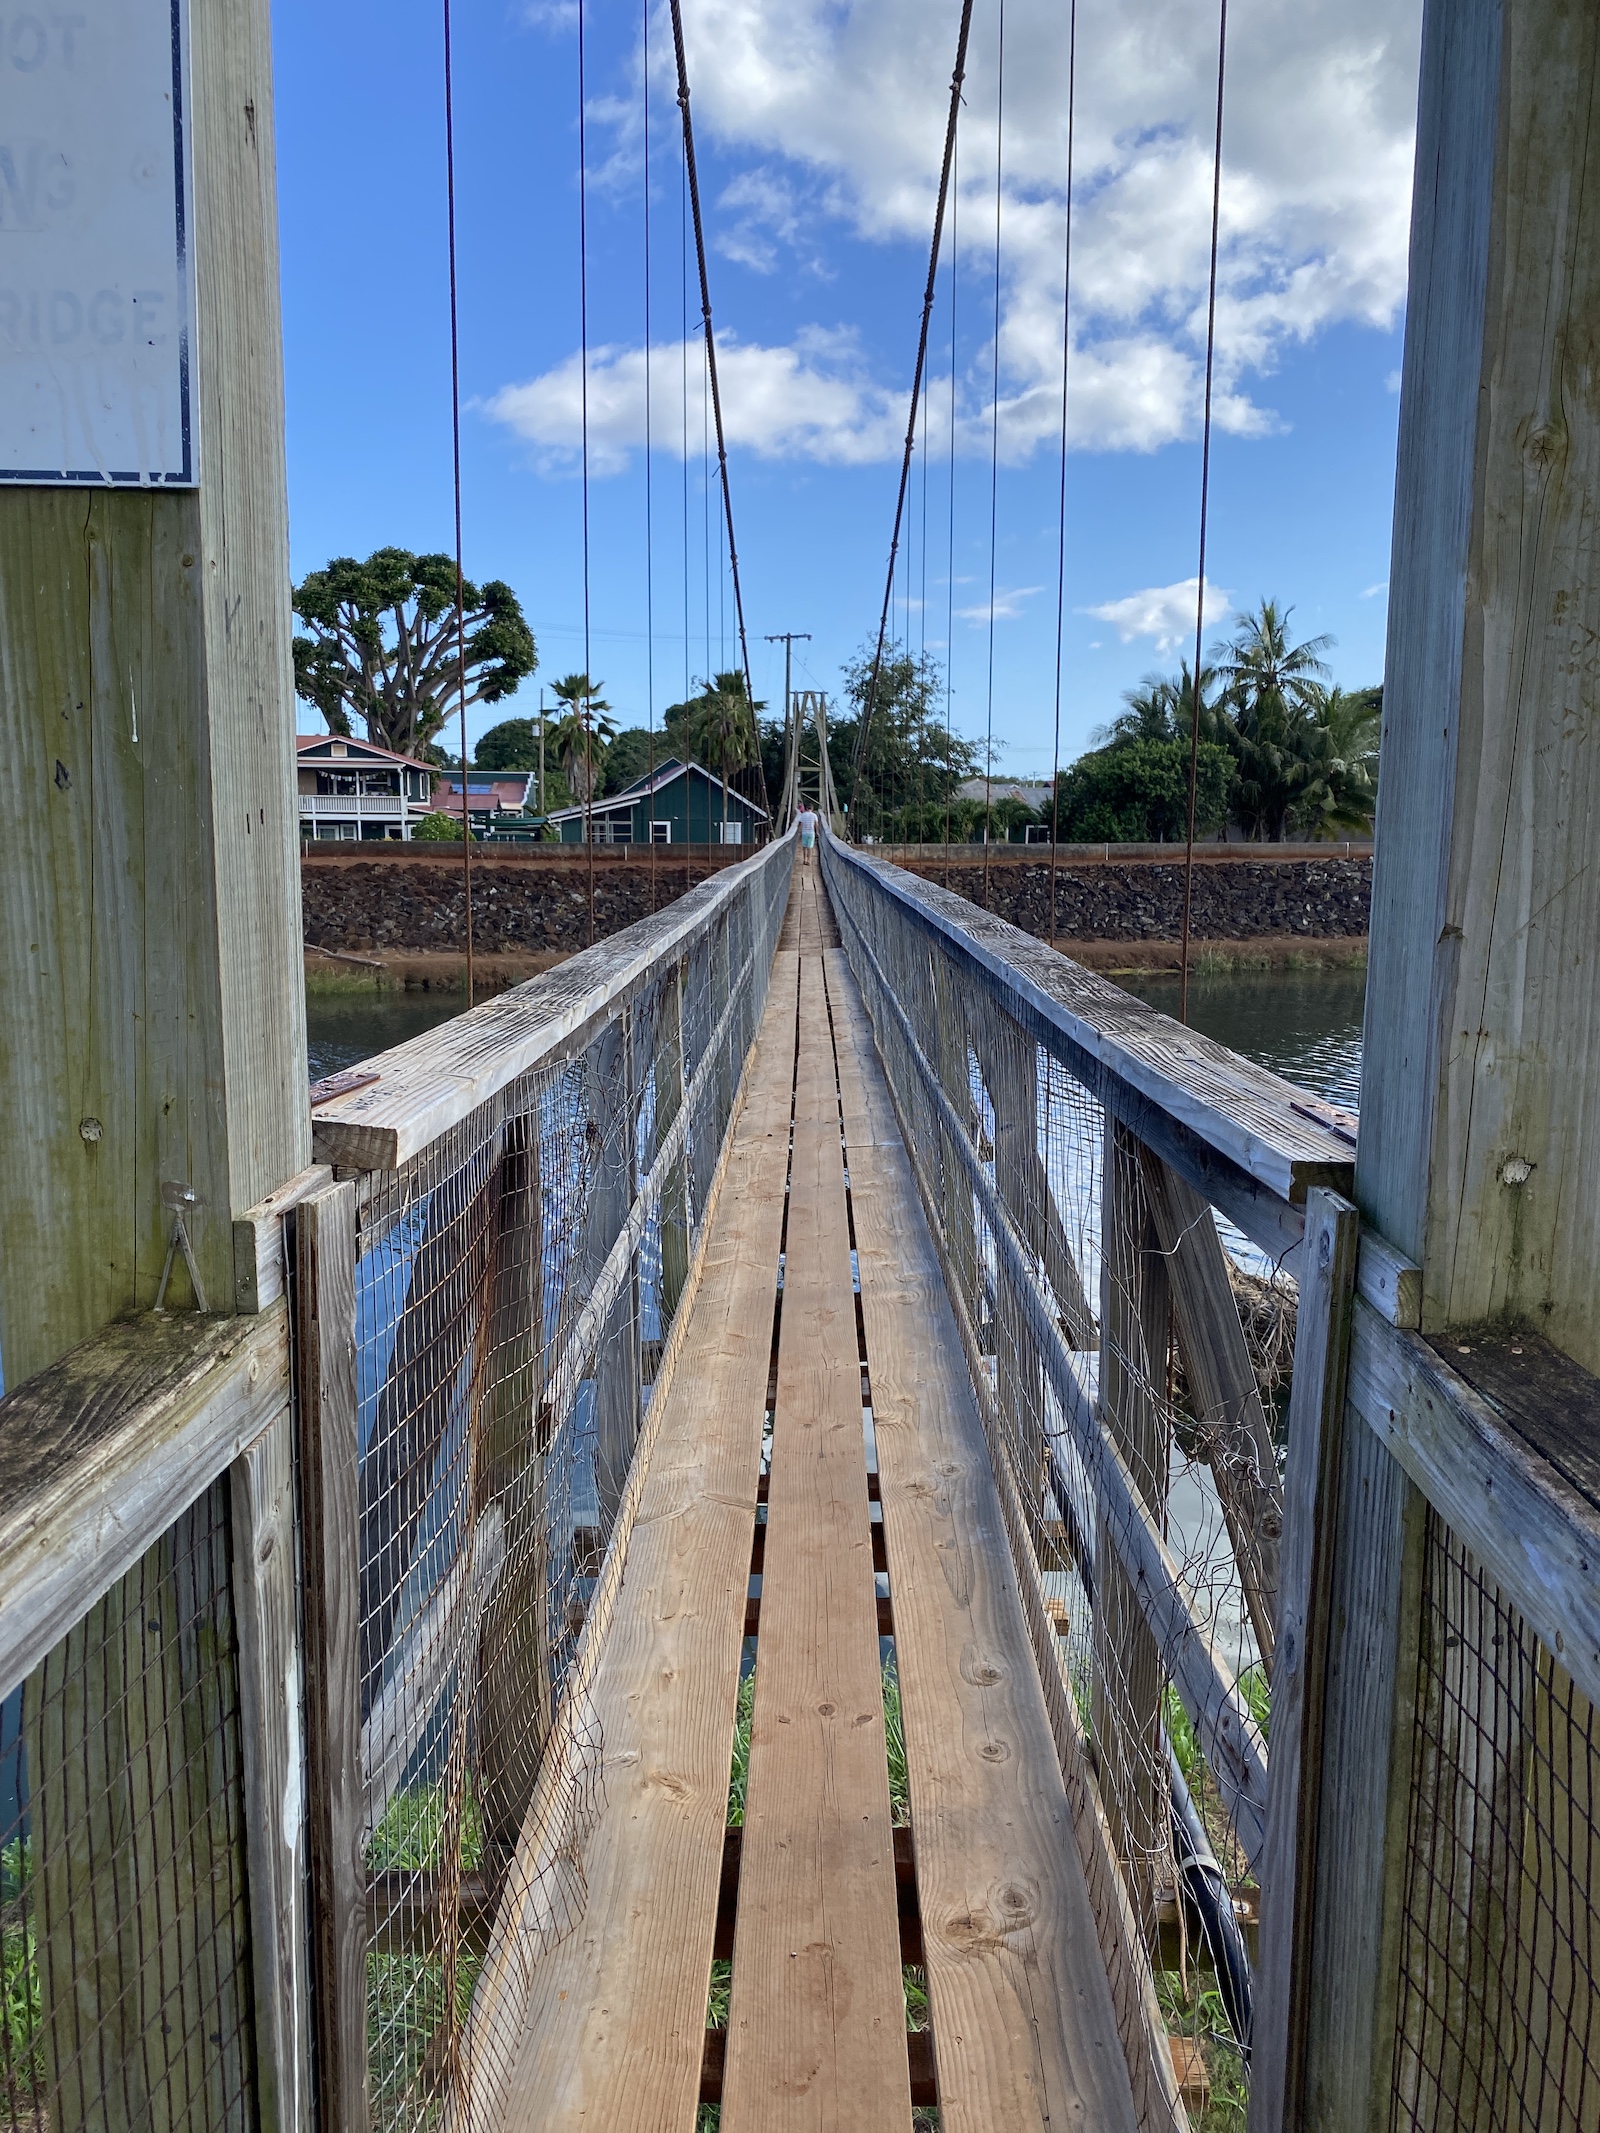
(1304, 1024)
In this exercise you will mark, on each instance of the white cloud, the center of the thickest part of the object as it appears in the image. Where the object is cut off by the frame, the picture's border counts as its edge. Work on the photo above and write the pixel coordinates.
(1007, 604)
(810, 401)
(839, 105)
(1371, 592)
(1164, 612)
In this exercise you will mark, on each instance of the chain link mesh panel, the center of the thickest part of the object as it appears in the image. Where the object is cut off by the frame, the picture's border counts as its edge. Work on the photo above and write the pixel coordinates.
(1104, 1303)
(518, 1289)
(1498, 2019)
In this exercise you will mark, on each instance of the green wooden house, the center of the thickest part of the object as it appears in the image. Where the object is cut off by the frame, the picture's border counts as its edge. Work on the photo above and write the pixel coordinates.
(681, 804)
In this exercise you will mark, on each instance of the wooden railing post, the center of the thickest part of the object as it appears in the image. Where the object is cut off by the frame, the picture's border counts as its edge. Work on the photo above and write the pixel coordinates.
(616, 1369)
(325, 1375)
(514, 1685)
(1134, 1310)
(1300, 1667)
(266, 1601)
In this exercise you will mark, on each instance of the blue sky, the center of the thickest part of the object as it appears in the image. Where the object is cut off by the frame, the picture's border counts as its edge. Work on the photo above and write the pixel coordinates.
(818, 128)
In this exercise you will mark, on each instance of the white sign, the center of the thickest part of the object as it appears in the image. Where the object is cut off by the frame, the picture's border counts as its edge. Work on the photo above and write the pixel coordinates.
(96, 280)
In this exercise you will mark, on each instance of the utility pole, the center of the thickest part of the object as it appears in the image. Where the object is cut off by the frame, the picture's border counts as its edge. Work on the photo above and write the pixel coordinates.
(788, 639)
(542, 808)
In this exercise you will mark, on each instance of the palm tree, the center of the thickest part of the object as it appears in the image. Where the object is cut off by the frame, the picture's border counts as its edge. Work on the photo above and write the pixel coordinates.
(1274, 688)
(1261, 668)
(719, 726)
(582, 734)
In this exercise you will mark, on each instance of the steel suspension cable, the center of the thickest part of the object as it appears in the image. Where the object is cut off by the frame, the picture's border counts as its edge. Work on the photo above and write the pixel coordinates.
(649, 494)
(994, 449)
(583, 343)
(1205, 500)
(956, 79)
(455, 448)
(950, 564)
(1061, 525)
(711, 368)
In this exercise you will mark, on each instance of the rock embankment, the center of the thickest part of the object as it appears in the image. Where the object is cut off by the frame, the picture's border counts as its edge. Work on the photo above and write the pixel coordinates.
(1120, 901)
(409, 902)
(401, 903)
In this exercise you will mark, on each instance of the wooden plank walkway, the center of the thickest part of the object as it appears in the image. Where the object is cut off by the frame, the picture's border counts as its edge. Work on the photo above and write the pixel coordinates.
(1023, 2031)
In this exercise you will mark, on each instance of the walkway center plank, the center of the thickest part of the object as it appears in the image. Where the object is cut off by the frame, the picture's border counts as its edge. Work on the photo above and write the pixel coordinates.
(616, 2029)
(816, 2030)
(1024, 2032)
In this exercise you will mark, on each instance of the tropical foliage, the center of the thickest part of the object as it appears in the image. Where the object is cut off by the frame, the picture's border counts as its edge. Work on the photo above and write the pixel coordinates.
(579, 738)
(910, 763)
(382, 645)
(1281, 752)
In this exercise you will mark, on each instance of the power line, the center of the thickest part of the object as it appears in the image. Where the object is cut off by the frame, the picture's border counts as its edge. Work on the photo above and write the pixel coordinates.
(1205, 499)
(711, 367)
(956, 79)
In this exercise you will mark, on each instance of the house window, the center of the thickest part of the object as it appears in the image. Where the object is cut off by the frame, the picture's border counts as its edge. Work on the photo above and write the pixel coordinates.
(661, 833)
(382, 781)
(336, 781)
(730, 833)
(337, 832)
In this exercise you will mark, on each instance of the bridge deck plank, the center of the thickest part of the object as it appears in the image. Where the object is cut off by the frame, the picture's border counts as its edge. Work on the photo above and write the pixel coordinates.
(1024, 2031)
(616, 2029)
(816, 2025)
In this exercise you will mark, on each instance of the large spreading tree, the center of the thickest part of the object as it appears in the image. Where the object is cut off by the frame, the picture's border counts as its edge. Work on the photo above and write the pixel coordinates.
(381, 645)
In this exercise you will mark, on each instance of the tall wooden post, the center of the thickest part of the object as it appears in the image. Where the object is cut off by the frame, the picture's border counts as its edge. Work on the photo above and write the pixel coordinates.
(1481, 1083)
(152, 1057)
(154, 1042)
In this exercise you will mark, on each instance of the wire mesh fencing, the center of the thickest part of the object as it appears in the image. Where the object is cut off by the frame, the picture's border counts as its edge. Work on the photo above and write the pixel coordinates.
(1498, 2018)
(1132, 1355)
(517, 1294)
(125, 1970)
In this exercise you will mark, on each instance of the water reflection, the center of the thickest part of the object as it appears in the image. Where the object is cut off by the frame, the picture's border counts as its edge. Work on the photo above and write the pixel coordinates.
(344, 1028)
(1304, 1024)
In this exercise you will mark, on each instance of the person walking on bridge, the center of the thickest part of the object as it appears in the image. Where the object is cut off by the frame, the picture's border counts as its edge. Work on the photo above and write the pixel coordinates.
(807, 819)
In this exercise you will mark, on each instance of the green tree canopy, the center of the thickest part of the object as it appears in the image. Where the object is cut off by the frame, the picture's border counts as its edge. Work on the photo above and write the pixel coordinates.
(382, 645)
(911, 761)
(628, 757)
(1282, 752)
(512, 745)
(1136, 791)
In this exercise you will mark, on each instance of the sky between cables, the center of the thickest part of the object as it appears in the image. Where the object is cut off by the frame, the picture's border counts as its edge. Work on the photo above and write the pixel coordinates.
(839, 111)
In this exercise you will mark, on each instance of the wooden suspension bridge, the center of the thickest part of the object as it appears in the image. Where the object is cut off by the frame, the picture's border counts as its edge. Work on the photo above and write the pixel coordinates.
(816, 1517)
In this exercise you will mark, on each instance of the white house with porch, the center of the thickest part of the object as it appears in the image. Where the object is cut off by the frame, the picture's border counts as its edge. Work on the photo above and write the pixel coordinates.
(351, 790)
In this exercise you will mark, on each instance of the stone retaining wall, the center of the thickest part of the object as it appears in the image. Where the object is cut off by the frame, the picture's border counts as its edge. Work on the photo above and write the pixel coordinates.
(408, 901)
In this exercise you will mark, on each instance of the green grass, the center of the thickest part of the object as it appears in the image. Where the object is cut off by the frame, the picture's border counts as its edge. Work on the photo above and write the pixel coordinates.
(411, 1836)
(409, 2021)
(1227, 2108)
(22, 2068)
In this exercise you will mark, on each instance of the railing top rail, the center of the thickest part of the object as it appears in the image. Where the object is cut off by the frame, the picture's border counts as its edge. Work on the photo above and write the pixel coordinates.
(424, 1087)
(1283, 1137)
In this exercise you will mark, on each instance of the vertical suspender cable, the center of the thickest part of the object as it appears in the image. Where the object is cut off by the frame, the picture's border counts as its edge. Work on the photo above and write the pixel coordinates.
(994, 449)
(711, 370)
(1061, 525)
(455, 448)
(956, 80)
(649, 495)
(950, 566)
(583, 386)
(1205, 498)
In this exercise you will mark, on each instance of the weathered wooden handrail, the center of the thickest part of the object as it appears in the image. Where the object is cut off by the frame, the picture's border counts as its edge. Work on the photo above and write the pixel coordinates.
(1245, 1139)
(432, 1083)
(103, 1451)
